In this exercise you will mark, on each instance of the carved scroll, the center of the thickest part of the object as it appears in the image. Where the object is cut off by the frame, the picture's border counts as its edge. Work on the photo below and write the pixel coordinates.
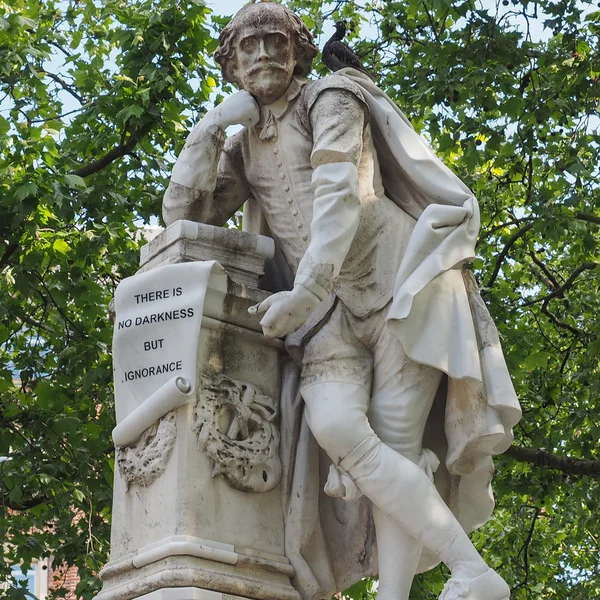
(235, 425)
(146, 460)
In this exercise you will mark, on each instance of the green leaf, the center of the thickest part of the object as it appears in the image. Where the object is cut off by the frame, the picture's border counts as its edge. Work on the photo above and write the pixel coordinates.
(4, 126)
(61, 246)
(75, 181)
(445, 142)
(26, 190)
(79, 495)
(537, 359)
(130, 111)
(25, 22)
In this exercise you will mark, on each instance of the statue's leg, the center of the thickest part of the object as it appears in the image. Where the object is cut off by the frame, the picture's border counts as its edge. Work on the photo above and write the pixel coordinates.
(341, 364)
(332, 405)
(336, 414)
(401, 400)
(398, 554)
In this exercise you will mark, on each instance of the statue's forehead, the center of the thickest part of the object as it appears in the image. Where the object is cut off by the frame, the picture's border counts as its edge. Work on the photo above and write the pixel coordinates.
(252, 30)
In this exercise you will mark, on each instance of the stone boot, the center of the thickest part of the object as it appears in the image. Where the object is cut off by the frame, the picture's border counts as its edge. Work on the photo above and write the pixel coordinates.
(400, 489)
(489, 586)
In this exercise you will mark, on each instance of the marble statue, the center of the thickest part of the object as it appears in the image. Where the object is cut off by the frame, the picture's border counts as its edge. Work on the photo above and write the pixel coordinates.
(401, 382)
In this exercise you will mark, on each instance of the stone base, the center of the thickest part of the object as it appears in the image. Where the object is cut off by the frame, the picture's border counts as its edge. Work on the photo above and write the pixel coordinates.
(197, 499)
(249, 577)
(187, 593)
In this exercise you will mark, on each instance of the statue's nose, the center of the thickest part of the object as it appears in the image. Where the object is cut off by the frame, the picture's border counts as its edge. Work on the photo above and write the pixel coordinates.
(262, 52)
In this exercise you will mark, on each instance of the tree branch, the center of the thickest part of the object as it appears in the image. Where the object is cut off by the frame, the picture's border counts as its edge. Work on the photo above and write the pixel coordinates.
(57, 117)
(22, 504)
(525, 548)
(552, 282)
(34, 323)
(59, 47)
(558, 322)
(588, 217)
(559, 291)
(114, 154)
(431, 22)
(444, 19)
(485, 234)
(65, 86)
(62, 313)
(509, 244)
(542, 458)
(8, 252)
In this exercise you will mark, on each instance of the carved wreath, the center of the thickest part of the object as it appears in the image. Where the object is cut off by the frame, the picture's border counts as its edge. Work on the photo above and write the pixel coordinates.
(146, 459)
(235, 425)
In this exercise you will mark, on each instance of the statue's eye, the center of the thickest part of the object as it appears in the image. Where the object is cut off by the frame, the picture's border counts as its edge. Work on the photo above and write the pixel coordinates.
(248, 44)
(277, 40)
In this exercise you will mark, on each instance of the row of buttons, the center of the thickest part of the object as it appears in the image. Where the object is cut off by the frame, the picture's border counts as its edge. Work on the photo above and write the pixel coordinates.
(286, 188)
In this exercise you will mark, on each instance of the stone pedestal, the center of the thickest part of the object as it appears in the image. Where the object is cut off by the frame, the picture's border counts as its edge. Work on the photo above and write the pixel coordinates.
(197, 513)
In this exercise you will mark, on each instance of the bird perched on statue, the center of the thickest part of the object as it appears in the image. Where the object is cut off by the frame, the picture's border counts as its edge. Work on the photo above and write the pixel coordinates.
(337, 55)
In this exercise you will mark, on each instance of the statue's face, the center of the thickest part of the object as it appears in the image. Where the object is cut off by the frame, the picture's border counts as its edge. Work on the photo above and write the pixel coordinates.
(265, 60)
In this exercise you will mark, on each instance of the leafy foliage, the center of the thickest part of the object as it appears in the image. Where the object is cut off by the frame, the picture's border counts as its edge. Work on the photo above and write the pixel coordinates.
(94, 97)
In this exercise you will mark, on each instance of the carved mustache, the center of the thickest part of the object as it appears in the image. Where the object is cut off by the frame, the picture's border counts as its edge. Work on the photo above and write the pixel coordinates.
(263, 66)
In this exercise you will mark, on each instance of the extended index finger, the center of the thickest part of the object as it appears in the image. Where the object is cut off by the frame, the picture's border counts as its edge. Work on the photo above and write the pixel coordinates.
(261, 307)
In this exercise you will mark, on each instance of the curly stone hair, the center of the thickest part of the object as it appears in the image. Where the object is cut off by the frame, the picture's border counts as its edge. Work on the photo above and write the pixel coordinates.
(262, 13)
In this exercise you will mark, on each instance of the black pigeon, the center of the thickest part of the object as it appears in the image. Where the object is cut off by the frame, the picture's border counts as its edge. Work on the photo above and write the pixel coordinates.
(336, 55)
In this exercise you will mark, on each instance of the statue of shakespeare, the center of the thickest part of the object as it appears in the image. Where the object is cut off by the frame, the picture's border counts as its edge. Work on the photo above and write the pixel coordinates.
(389, 327)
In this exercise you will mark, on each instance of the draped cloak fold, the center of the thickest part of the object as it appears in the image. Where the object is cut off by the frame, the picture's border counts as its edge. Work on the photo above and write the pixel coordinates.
(442, 321)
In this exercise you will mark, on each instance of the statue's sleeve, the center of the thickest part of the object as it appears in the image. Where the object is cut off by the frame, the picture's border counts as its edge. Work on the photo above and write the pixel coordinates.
(337, 118)
(208, 182)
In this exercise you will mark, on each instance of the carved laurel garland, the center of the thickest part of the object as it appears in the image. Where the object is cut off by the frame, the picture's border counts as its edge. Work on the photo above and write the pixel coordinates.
(146, 460)
(235, 425)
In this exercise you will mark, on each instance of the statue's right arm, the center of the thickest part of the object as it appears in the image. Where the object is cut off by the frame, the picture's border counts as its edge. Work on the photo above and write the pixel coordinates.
(207, 182)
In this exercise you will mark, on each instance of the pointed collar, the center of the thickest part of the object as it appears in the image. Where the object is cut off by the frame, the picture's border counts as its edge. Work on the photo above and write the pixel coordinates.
(281, 105)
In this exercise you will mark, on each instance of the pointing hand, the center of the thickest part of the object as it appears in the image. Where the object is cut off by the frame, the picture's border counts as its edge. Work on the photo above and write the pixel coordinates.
(285, 311)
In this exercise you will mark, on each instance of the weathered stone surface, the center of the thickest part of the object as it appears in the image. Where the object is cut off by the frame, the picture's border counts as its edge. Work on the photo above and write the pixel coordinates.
(376, 231)
(192, 509)
(146, 459)
(188, 594)
(242, 255)
(236, 426)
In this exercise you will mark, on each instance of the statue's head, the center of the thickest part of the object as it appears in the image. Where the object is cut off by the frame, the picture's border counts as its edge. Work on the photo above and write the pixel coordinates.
(263, 47)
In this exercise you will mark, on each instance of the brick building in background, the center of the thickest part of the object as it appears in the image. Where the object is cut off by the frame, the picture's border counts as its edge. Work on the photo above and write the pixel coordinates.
(66, 579)
(43, 577)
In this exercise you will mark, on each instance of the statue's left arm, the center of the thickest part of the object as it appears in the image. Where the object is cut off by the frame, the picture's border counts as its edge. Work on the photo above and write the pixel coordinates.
(337, 118)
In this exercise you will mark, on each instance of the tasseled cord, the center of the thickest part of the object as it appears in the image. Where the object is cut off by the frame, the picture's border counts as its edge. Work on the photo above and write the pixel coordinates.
(269, 130)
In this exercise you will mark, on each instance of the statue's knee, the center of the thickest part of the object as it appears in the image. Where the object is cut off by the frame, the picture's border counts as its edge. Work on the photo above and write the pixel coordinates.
(331, 431)
(336, 415)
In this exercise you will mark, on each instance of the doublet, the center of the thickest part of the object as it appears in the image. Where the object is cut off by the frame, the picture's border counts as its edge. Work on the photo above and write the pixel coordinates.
(272, 165)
